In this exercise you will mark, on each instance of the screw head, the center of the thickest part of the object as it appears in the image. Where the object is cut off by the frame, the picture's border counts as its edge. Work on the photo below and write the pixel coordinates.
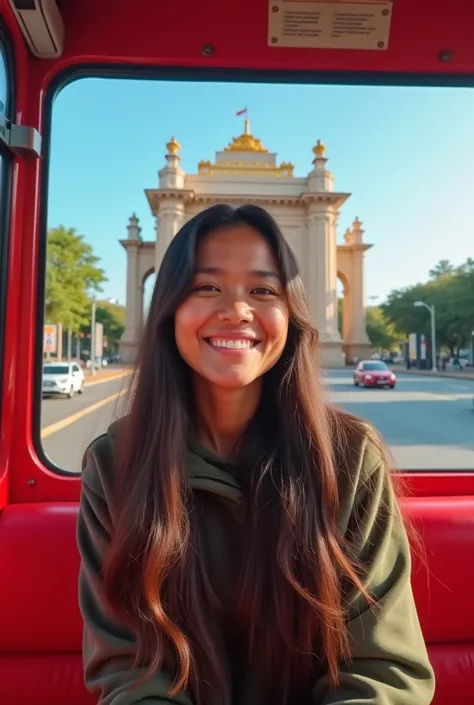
(207, 50)
(445, 55)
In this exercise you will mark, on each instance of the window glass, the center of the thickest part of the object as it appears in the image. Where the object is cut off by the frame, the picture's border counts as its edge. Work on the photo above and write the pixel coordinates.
(372, 187)
(3, 79)
(6, 88)
(374, 366)
(56, 370)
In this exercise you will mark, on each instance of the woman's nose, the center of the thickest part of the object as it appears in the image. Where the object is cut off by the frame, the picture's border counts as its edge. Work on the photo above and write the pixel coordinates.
(236, 312)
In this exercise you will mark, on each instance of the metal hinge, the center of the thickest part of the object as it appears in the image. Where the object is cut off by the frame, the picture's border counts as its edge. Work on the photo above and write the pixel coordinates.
(24, 141)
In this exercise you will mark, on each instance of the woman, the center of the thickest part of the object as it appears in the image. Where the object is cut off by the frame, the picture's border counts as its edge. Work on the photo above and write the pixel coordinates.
(240, 539)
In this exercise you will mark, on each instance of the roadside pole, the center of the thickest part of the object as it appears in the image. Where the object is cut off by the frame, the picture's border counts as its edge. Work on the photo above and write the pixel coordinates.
(93, 338)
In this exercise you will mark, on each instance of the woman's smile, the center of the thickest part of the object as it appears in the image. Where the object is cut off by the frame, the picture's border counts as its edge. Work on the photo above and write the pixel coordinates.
(232, 345)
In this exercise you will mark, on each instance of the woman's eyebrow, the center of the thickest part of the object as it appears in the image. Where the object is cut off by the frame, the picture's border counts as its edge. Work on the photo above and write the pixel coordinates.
(260, 273)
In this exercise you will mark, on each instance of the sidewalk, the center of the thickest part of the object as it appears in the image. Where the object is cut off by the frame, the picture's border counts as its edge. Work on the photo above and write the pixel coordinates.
(107, 373)
(449, 374)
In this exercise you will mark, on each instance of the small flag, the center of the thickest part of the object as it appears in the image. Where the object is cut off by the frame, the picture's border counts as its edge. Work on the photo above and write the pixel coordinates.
(241, 112)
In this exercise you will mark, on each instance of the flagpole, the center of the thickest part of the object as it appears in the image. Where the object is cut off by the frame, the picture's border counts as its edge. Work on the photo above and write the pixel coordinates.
(245, 114)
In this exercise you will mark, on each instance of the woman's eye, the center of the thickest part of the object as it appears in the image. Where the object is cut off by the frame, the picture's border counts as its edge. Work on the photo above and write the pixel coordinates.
(263, 291)
(206, 287)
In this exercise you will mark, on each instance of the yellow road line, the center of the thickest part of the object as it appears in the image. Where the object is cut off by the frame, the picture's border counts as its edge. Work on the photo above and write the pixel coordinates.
(59, 425)
(93, 382)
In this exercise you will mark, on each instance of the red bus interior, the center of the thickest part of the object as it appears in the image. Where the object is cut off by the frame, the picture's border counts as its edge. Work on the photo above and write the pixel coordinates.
(40, 623)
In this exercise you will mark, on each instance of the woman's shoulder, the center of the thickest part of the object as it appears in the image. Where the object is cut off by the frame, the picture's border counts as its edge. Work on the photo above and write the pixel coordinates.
(359, 450)
(98, 464)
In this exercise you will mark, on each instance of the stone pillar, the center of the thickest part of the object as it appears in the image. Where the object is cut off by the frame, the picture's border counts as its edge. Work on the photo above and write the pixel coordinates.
(359, 325)
(357, 342)
(347, 316)
(130, 339)
(169, 219)
(169, 212)
(133, 312)
(321, 265)
(321, 275)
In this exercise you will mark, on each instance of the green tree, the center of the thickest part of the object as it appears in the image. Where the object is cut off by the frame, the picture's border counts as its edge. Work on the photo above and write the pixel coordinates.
(340, 313)
(451, 291)
(72, 276)
(112, 317)
(461, 302)
(443, 268)
(381, 332)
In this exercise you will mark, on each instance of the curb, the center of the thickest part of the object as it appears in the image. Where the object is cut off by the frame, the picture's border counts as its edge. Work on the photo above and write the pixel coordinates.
(90, 381)
(441, 375)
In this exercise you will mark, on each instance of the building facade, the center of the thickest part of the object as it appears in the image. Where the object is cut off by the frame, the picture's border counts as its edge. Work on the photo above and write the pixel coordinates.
(306, 209)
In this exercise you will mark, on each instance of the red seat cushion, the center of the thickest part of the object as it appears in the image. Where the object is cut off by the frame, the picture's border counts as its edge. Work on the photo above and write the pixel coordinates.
(41, 626)
(43, 679)
(454, 668)
(443, 573)
(39, 609)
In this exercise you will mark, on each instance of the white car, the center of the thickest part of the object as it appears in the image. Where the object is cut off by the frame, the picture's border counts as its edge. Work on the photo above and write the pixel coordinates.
(463, 362)
(62, 378)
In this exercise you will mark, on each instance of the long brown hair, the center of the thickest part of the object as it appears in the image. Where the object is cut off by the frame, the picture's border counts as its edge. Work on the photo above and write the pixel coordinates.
(290, 596)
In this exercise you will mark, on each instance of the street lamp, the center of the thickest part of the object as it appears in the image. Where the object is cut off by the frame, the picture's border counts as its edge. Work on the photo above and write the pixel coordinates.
(93, 337)
(431, 309)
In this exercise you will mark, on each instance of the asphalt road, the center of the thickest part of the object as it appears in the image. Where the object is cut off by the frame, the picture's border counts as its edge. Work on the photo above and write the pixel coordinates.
(69, 425)
(428, 422)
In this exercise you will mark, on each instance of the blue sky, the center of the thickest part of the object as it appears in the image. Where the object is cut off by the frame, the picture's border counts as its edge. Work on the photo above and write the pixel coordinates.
(405, 154)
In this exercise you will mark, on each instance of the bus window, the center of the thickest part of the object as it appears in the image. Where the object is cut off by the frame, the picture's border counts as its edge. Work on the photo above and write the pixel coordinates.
(6, 112)
(357, 178)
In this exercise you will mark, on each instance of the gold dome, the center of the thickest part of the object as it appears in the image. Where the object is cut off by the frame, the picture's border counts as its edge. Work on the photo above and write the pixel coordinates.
(246, 142)
(173, 146)
(320, 150)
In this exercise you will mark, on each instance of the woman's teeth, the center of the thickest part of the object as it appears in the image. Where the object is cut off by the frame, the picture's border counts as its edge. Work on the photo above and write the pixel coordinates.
(235, 344)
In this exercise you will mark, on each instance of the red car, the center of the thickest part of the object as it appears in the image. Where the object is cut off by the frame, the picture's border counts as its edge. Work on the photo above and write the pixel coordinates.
(374, 373)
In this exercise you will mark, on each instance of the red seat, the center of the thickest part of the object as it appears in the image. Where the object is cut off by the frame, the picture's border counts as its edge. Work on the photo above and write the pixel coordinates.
(41, 626)
(443, 579)
(41, 629)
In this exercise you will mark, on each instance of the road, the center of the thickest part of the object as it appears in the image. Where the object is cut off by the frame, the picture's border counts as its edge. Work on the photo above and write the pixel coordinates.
(69, 425)
(428, 422)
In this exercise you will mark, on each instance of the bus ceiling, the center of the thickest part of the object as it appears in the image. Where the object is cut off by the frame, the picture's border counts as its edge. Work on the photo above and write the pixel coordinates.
(353, 37)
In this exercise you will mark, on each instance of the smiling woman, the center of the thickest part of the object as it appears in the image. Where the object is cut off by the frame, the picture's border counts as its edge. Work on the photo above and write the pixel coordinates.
(233, 326)
(254, 550)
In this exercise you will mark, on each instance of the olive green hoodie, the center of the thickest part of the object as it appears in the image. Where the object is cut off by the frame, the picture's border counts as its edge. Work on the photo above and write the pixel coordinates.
(389, 664)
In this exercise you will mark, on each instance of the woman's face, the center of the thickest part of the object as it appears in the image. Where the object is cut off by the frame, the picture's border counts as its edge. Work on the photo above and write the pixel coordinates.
(233, 326)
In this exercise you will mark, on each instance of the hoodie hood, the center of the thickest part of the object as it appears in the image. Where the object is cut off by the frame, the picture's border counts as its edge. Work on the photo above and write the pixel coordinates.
(206, 471)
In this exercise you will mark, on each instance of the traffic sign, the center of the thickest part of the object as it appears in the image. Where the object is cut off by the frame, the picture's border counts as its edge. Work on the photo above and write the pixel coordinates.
(50, 338)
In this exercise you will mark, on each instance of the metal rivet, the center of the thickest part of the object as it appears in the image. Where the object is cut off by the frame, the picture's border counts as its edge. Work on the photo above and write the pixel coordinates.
(385, 12)
(381, 45)
(207, 50)
(445, 55)
(275, 8)
(31, 483)
(274, 40)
